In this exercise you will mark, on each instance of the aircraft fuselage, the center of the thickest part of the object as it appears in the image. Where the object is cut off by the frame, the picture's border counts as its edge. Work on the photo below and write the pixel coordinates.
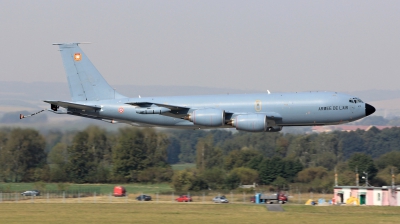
(296, 109)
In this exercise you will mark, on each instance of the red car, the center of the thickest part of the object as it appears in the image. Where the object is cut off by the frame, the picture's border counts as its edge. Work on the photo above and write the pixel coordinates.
(184, 198)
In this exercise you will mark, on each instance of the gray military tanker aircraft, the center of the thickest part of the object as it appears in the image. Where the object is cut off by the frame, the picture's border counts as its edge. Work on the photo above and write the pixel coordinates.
(92, 97)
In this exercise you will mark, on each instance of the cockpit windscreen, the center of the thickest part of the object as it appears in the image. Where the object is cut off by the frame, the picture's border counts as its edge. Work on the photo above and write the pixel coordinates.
(355, 100)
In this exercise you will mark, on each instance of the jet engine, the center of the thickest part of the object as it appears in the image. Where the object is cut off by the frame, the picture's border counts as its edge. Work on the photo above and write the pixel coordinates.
(208, 117)
(250, 122)
(253, 123)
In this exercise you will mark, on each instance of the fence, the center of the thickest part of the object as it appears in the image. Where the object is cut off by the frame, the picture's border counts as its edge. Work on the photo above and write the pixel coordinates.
(94, 197)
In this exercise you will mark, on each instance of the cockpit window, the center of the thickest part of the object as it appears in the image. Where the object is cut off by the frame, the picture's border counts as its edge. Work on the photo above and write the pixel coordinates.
(355, 100)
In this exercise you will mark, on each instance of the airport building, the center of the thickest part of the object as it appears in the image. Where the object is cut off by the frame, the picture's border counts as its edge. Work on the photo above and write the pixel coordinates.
(362, 195)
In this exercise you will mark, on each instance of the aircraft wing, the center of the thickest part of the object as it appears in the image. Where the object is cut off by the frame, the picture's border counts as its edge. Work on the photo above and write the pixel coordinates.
(170, 110)
(71, 105)
(181, 111)
(147, 104)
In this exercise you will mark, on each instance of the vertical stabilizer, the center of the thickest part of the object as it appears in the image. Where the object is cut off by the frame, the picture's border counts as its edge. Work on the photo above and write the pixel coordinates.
(85, 82)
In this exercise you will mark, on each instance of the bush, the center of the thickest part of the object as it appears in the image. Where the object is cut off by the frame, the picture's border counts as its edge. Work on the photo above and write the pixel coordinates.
(182, 180)
(246, 175)
(155, 175)
(232, 181)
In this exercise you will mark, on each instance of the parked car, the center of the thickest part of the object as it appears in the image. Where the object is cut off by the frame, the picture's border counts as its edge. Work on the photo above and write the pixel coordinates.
(221, 199)
(143, 197)
(31, 193)
(183, 198)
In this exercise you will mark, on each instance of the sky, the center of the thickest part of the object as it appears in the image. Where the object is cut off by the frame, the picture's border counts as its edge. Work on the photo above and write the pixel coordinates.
(247, 45)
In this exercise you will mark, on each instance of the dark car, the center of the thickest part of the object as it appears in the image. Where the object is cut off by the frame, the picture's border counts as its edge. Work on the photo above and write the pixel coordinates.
(31, 193)
(143, 197)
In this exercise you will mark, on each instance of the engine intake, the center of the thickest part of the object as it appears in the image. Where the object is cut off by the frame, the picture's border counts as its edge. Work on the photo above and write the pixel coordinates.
(208, 117)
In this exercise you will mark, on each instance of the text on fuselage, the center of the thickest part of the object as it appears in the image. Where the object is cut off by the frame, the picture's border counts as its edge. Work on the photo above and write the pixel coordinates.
(334, 108)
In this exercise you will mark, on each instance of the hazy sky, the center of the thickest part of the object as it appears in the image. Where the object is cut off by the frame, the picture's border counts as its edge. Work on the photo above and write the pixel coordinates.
(250, 45)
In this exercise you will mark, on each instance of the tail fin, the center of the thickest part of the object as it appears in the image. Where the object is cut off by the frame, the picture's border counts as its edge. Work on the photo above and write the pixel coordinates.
(85, 82)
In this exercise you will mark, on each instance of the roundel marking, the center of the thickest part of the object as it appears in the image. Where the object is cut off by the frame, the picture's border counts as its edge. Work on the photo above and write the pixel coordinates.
(121, 110)
(77, 56)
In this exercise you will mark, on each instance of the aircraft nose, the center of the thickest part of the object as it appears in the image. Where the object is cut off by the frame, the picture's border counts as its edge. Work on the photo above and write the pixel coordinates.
(369, 109)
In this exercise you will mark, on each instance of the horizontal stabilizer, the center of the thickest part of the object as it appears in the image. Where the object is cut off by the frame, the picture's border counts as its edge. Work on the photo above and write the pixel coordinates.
(66, 104)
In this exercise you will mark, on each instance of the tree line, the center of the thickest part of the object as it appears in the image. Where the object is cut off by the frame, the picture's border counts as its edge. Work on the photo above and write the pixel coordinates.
(89, 156)
(224, 159)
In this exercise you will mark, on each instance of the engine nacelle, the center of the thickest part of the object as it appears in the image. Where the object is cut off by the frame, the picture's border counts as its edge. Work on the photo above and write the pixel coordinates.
(250, 122)
(254, 123)
(208, 117)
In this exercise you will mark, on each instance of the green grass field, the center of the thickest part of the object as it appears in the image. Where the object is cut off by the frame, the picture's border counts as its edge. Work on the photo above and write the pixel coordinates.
(99, 188)
(183, 166)
(191, 213)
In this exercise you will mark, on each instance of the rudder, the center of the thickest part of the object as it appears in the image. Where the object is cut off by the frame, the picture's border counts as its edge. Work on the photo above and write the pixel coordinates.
(84, 80)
